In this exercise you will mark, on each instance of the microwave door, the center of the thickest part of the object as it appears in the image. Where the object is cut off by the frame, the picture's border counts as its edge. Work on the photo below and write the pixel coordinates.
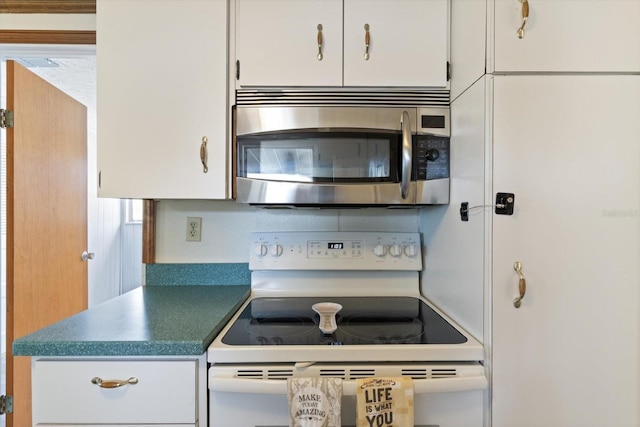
(325, 168)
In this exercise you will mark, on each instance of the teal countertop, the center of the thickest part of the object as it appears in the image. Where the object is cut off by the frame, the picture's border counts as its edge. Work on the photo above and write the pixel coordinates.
(147, 321)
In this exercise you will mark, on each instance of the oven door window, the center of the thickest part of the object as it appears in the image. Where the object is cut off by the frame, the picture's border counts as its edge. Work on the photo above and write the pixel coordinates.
(320, 157)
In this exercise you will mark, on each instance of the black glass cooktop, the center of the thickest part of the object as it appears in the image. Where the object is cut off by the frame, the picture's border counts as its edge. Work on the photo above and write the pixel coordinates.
(362, 320)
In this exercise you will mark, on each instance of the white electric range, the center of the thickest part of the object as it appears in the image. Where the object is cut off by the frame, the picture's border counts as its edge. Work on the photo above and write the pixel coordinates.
(384, 327)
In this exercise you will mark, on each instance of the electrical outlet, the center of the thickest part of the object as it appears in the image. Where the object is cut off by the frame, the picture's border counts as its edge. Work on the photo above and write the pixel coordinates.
(194, 228)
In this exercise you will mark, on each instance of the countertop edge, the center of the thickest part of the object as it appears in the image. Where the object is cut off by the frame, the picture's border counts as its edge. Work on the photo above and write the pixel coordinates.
(39, 344)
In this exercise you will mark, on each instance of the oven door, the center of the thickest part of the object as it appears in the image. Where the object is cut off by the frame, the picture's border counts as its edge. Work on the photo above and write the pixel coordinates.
(445, 395)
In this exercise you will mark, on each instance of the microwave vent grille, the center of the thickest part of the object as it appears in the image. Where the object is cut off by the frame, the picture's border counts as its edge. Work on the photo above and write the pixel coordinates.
(345, 97)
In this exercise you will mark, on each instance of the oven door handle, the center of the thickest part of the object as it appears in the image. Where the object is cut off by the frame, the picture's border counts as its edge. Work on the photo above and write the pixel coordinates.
(420, 386)
(405, 125)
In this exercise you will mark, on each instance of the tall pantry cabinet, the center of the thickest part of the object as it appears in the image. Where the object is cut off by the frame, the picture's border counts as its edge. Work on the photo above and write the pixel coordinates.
(562, 108)
(568, 147)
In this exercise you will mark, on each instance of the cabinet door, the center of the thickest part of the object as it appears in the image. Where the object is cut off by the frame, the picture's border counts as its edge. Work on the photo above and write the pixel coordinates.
(277, 42)
(569, 148)
(407, 43)
(162, 88)
(568, 35)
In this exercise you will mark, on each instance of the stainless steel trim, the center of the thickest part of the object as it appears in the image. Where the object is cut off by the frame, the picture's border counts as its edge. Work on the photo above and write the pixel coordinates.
(259, 192)
(293, 193)
(432, 111)
(432, 192)
(270, 119)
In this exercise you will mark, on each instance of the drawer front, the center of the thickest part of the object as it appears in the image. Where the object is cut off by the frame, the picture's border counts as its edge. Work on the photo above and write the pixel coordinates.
(165, 392)
(119, 425)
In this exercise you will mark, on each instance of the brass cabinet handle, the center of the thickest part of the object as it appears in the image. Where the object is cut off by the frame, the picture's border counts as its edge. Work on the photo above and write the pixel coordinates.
(113, 383)
(203, 154)
(367, 41)
(525, 16)
(319, 27)
(522, 284)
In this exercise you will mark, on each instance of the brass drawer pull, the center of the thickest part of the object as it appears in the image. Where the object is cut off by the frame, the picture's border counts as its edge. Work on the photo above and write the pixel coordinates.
(522, 284)
(525, 16)
(367, 41)
(203, 154)
(113, 383)
(319, 28)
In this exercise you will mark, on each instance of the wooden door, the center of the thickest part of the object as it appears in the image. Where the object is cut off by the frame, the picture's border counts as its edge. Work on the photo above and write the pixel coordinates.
(569, 148)
(277, 42)
(46, 218)
(408, 43)
(568, 36)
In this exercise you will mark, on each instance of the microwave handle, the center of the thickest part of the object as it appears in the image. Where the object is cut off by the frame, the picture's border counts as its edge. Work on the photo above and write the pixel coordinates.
(405, 125)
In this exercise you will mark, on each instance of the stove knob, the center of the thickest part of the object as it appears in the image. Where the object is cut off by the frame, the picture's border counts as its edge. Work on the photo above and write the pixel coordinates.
(411, 250)
(395, 251)
(380, 250)
(276, 250)
(261, 250)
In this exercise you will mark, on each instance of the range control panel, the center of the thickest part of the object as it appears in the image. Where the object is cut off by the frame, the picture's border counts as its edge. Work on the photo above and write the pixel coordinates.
(335, 251)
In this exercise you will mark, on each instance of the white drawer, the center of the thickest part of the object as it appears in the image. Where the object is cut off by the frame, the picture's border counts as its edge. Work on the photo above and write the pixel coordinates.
(165, 393)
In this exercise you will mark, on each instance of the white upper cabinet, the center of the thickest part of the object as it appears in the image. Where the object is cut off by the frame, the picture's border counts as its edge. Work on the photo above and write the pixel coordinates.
(289, 42)
(407, 43)
(567, 36)
(162, 89)
(324, 43)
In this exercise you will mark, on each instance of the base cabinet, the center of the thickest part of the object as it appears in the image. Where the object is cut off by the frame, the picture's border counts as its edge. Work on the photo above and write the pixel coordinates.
(119, 391)
(568, 147)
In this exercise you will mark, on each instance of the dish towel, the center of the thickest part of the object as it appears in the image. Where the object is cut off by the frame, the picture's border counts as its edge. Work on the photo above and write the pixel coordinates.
(384, 402)
(314, 402)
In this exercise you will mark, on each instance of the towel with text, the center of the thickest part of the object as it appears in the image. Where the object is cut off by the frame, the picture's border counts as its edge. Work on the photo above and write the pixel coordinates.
(314, 402)
(384, 402)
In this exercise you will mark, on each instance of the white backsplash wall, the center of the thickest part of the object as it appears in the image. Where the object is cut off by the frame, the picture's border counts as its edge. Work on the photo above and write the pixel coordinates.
(226, 227)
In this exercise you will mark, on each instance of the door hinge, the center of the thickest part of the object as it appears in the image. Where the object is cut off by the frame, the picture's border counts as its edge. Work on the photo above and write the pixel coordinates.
(448, 70)
(6, 118)
(6, 404)
(238, 70)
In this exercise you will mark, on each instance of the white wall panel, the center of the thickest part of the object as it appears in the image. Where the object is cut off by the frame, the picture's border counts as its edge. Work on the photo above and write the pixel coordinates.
(453, 275)
(226, 227)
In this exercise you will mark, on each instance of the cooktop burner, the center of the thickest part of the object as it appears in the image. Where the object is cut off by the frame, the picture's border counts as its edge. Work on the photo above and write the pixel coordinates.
(361, 321)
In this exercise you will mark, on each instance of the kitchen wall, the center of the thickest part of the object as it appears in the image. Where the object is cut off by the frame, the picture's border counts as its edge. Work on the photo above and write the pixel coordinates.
(454, 275)
(226, 227)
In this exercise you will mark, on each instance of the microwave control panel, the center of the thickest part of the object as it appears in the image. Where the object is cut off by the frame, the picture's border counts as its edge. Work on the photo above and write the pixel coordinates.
(430, 157)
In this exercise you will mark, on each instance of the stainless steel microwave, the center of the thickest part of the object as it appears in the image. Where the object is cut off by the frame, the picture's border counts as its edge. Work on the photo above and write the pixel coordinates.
(342, 156)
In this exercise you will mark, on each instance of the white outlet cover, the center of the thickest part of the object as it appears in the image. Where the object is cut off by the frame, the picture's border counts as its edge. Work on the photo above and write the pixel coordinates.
(194, 229)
